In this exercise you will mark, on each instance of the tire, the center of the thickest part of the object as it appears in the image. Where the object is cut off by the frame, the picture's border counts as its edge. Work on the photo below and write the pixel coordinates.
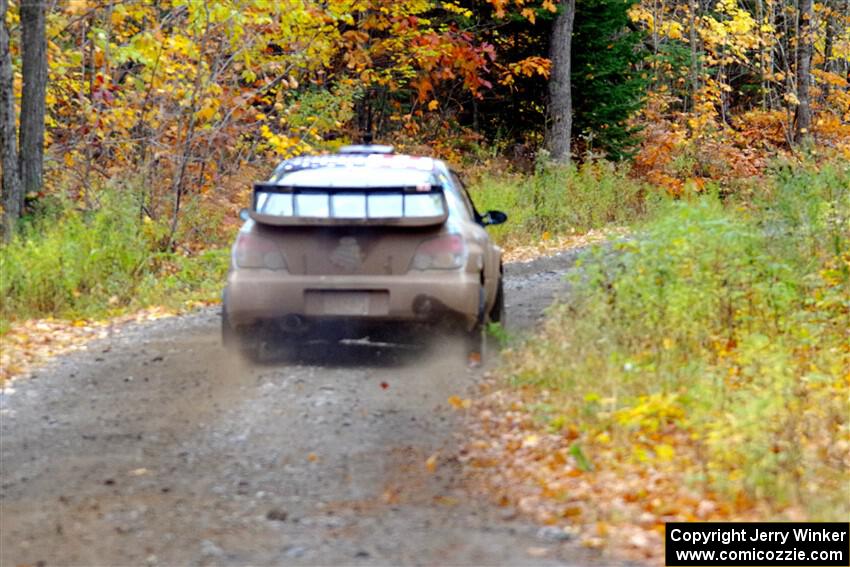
(497, 313)
(476, 338)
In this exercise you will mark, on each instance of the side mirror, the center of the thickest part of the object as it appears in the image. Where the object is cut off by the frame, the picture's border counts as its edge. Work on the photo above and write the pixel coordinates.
(493, 217)
(244, 214)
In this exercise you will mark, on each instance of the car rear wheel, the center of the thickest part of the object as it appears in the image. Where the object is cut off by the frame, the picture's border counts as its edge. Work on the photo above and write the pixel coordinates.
(497, 313)
(477, 338)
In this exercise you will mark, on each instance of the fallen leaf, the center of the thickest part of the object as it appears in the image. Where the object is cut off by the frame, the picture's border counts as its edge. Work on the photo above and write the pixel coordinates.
(537, 551)
(446, 501)
(431, 463)
(391, 495)
(532, 440)
(459, 403)
(639, 540)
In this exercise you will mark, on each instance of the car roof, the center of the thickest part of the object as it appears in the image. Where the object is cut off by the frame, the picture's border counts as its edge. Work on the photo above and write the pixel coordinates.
(356, 166)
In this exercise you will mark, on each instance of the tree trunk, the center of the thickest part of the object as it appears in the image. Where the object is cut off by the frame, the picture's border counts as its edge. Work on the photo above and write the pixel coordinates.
(692, 39)
(560, 96)
(762, 60)
(34, 69)
(803, 118)
(833, 30)
(13, 194)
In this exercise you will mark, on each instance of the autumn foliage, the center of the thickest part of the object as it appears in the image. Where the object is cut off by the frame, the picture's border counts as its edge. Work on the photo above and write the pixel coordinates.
(177, 98)
(699, 371)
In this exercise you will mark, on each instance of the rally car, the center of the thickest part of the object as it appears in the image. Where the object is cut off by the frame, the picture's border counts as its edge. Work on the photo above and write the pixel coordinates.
(361, 244)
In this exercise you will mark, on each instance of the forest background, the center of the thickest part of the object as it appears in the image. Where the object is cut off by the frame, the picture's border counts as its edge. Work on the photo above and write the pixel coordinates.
(718, 132)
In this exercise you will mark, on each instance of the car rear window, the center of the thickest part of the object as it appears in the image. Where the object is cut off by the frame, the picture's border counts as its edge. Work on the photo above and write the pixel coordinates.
(355, 192)
(356, 177)
(385, 204)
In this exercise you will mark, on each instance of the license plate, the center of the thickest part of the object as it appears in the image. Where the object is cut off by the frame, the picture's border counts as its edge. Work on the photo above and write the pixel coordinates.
(346, 303)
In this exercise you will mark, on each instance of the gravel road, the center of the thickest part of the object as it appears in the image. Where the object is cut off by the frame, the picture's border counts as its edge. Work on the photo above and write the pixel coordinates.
(154, 447)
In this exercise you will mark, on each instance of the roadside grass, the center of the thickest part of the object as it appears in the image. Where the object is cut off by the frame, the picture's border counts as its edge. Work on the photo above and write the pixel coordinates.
(713, 346)
(72, 264)
(561, 200)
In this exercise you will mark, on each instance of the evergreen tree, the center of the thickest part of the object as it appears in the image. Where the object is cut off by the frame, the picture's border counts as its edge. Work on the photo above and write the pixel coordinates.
(606, 81)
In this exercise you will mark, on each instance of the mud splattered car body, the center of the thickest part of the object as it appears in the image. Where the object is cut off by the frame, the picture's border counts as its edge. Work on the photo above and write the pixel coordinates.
(361, 243)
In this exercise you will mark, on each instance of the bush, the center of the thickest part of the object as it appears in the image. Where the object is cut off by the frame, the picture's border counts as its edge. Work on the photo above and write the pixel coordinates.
(71, 263)
(560, 199)
(728, 326)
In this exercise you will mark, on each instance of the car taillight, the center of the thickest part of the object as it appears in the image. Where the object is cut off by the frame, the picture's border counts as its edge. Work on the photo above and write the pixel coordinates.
(442, 253)
(252, 251)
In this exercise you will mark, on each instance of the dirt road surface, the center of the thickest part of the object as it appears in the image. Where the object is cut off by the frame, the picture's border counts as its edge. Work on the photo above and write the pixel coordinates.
(155, 447)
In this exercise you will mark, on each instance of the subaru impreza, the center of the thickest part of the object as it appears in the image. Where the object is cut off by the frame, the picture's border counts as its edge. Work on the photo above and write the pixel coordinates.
(361, 244)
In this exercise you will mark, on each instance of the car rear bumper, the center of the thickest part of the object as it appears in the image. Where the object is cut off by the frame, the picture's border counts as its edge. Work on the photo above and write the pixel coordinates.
(432, 297)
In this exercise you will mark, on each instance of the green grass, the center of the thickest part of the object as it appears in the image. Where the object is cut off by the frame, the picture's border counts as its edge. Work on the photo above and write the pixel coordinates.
(69, 263)
(563, 199)
(727, 322)
(74, 264)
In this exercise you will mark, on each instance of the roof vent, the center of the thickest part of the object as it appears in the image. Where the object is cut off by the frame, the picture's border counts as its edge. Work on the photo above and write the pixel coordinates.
(365, 149)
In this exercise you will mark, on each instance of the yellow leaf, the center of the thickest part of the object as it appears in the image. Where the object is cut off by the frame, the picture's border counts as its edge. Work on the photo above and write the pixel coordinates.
(77, 6)
(433, 105)
(446, 501)
(459, 403)
(531, 440)
(117, 17)
(791, 99)
(665, 452)
(206, 113)
(69, 159)
(431, 463)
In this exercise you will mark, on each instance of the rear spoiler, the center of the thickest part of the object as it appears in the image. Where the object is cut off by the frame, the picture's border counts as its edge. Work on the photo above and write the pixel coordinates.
(283, 205)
